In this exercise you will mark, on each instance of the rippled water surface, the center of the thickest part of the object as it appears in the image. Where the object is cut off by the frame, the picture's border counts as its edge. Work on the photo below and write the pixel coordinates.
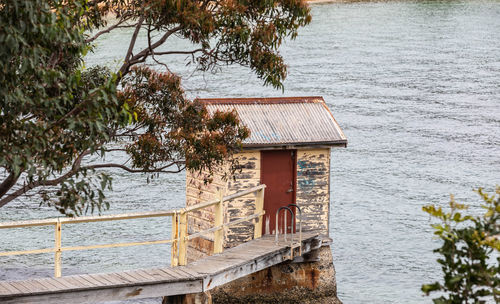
(414, 85)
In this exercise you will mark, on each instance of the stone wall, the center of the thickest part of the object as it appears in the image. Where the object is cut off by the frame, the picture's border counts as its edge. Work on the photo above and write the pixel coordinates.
(287, 283)
(313, 197)
(247, 176)
(313, 188)
(197, 191)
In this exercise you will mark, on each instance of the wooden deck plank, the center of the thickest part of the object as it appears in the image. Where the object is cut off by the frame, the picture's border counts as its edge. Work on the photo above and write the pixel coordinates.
(264, 261)
(27, 285)
(226, 263)
(118, 280)
(127, 276)
(109, 278)
(231, 256)
(182, 274)
(64, 282)
(75, 282)
(109, 294)
(34, 286)
(168, 272)
(151, 275)
(20, 286)
(4, 290)
(160, 275)
(259, 249)
(188, 270)
(265, 245)
(46, 283)
(213, 266)
(91, 280)
(45, 287)
(182, 270)
(133, 275)
(172, 272)
(103, 277)
(82, 281)
(9, 287)
(218, 260)
(201, 275)
(144, 275)
(241, 255)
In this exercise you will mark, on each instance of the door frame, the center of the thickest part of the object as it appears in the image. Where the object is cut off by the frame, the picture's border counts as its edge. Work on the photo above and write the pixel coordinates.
(294, 180)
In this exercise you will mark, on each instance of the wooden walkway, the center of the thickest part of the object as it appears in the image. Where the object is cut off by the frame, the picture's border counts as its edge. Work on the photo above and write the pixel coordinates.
(199, 276)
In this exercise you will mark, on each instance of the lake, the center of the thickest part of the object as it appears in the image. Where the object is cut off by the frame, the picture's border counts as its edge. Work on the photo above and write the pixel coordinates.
(415, 87)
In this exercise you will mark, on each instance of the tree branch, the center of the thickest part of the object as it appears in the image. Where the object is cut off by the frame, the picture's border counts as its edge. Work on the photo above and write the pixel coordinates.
(116, 149)
(52, 182)
(77, 109)
(8, 183)
(131, 47)
(141, 56)
(128, 169)
(179, 52)
(152, 52)
(109, 29)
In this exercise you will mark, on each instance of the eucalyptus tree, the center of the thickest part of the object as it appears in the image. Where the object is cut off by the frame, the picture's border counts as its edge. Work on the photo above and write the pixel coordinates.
(55, 114)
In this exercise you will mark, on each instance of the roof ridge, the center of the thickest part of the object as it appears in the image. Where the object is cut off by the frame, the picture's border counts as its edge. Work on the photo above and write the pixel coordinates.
(263, 100)
(283, 121)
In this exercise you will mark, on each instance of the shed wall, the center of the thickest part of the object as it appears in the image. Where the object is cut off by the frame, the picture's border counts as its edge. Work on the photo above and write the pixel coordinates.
(313, 190)
(247, 176)
(313, 194)
(198, 192)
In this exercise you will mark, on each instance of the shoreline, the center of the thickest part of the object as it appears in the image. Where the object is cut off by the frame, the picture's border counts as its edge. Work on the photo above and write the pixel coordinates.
(330, 1)
(338, 1)
(324, 1)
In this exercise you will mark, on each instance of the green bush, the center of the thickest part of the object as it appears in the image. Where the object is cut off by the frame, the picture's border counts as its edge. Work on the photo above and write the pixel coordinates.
(469, 255)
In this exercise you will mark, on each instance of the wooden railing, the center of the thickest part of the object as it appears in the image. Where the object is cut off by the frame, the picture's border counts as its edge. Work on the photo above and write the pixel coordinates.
(179, 235)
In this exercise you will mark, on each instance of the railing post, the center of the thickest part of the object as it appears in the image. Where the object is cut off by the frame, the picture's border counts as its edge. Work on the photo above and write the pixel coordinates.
(57, 255)
(259, 207)
(219, 218)
(174, 260)
(183, 238)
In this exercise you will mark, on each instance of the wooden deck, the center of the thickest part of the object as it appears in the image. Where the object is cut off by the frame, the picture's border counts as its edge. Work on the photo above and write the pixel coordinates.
(195, 277)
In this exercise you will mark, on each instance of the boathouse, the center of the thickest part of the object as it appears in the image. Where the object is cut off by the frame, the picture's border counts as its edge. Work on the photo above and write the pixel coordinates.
(288, 150)
(285, 163)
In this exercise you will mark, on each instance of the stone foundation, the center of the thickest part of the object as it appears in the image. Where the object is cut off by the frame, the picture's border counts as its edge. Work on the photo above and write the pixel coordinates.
(198, 298)
(308, 282)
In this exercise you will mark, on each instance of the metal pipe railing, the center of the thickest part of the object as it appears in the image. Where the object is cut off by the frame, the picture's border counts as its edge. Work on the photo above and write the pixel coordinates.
(294, 220)
(179, 228)
(284, 220)
(300, 224)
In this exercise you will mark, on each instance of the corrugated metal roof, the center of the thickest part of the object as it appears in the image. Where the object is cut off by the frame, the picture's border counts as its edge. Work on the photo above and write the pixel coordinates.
(283, 120)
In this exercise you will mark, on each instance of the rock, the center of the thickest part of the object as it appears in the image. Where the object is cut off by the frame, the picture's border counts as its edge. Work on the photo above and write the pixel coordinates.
(289, 282)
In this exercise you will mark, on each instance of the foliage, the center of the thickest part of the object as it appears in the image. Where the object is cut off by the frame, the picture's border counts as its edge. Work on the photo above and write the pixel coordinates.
(175, 127)
(470, 257)
(245, 32)
(55, 114)
(41, 83)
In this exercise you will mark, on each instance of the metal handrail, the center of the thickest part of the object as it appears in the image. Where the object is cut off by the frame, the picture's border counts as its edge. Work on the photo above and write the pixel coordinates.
(285, 227)
(300, 224)
(293, 216)
(179, 228)
(86, 219)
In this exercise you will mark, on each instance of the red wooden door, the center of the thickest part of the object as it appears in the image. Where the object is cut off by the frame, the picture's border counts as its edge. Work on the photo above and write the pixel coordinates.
(278, 172)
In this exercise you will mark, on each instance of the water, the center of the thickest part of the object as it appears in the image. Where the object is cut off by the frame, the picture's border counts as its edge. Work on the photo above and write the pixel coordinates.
(414, 85)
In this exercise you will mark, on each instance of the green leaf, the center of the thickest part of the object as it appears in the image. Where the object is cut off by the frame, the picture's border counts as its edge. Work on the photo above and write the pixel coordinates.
(428, 288)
